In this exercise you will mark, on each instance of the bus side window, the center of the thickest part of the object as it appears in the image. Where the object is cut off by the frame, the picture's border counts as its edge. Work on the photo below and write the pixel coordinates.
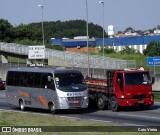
(44, 80)
(23, 80)
(10, 78)
(30, 80)
(51, 85)
(37, 80)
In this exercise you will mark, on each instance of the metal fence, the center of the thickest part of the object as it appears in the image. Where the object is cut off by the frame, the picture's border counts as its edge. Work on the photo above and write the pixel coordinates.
(97, 64)
(74, 59)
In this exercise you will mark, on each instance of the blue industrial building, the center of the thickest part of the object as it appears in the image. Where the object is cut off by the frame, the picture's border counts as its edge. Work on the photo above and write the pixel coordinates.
(137, 42)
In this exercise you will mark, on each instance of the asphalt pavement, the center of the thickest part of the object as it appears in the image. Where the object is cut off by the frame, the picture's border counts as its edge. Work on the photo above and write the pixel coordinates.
(126, 117)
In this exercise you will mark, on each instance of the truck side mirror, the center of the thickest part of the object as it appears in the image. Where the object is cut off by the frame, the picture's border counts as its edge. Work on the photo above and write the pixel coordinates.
(119, 81)
(153, 80)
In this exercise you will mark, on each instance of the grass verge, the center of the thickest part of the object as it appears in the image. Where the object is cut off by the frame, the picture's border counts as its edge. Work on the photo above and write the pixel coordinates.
(157, 97)
(26, 119)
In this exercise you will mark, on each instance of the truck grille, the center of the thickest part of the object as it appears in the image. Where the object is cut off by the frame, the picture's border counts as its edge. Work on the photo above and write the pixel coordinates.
(75, 101)
(138, 96)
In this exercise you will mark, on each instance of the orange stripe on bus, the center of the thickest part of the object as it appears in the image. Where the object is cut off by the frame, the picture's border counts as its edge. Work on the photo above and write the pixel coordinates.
(23, 93)
(43, 101)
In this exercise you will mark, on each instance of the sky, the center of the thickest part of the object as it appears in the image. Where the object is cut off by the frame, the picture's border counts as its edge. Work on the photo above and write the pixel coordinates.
(138, 14)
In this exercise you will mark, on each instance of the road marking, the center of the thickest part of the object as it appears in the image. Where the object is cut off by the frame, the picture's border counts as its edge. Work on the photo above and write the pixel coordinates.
(101, 120)
(67, 117)
(2, 101)
(139, 116)
(2, 96)
(129, 124)
(87, 119)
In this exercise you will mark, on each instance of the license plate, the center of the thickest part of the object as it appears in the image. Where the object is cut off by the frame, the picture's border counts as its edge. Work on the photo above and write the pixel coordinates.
(75, 102)
(140, 102)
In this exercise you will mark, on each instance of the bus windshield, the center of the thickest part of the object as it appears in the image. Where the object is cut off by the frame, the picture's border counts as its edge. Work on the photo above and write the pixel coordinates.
(137, 78)
(70, 82)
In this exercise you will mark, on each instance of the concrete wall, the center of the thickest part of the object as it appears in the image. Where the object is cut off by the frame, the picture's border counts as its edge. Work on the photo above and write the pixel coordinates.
(57, 62)
(5, 66)
(97, 73)
(156, 85)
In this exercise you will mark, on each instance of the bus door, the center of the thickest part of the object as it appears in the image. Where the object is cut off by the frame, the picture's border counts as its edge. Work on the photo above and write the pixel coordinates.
(48, 92)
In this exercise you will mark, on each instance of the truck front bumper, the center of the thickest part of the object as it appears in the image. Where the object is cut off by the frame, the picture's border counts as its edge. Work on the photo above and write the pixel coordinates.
(136, 102)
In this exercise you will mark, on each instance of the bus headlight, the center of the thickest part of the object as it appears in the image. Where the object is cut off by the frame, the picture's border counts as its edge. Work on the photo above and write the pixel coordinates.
(62, 98)
(85, 97)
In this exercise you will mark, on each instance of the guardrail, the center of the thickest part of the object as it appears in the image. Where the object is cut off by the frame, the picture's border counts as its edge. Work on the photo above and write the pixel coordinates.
(74, 59)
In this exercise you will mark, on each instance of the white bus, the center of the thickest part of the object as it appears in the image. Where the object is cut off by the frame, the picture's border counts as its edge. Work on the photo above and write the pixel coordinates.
(46, 88)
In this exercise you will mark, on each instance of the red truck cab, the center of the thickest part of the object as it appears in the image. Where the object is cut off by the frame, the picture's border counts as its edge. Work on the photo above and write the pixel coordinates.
(121, 88)
(131, 88)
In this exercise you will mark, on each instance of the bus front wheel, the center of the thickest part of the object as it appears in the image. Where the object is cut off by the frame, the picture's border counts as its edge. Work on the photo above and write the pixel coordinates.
(21, 105)
(52, 108)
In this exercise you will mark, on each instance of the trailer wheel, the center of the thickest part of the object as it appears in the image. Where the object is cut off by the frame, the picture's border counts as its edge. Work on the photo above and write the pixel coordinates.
(52, 108)
(21, 105)
(101, 103)
(114, 104)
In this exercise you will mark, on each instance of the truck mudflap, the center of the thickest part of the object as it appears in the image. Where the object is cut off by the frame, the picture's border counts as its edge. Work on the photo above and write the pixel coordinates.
(136, 102)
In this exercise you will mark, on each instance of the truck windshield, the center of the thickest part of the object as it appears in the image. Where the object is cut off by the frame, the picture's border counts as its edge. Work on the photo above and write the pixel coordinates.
(70, 82)
(137, 78)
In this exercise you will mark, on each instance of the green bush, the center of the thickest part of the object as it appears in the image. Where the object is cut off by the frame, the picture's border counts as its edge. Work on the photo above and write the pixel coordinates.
(128, 50)
(153, 49)
(107, 50)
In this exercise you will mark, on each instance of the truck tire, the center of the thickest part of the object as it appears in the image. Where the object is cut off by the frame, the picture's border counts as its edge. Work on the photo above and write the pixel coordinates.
(21, 105)
(101, 104)
(52, 108)
(114, 104)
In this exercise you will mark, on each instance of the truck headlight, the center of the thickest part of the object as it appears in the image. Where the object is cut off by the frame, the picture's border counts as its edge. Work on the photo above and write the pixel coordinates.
(122, 96)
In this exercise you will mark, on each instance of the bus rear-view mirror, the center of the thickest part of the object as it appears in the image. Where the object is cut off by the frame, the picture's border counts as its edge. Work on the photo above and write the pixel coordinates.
(49, 78)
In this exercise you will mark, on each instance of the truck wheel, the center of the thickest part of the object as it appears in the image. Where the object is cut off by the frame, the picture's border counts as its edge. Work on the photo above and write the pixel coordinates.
(114, 104)
(52, 108)
(101, 103)
(21, 105)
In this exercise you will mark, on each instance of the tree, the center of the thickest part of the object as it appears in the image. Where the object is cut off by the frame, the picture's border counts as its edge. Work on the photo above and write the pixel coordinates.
(68, 29)
(129, 29)
(153, 49)
(6, 33)
(107, 50)
(158, 27)
(128, 50)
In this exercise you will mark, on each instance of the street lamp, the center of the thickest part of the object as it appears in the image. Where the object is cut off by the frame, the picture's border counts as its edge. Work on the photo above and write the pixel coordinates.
(102, 2)
(42, 23)
(87, 35)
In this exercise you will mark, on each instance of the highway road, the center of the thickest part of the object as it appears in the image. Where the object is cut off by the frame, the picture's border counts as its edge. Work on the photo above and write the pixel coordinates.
(129, 117)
